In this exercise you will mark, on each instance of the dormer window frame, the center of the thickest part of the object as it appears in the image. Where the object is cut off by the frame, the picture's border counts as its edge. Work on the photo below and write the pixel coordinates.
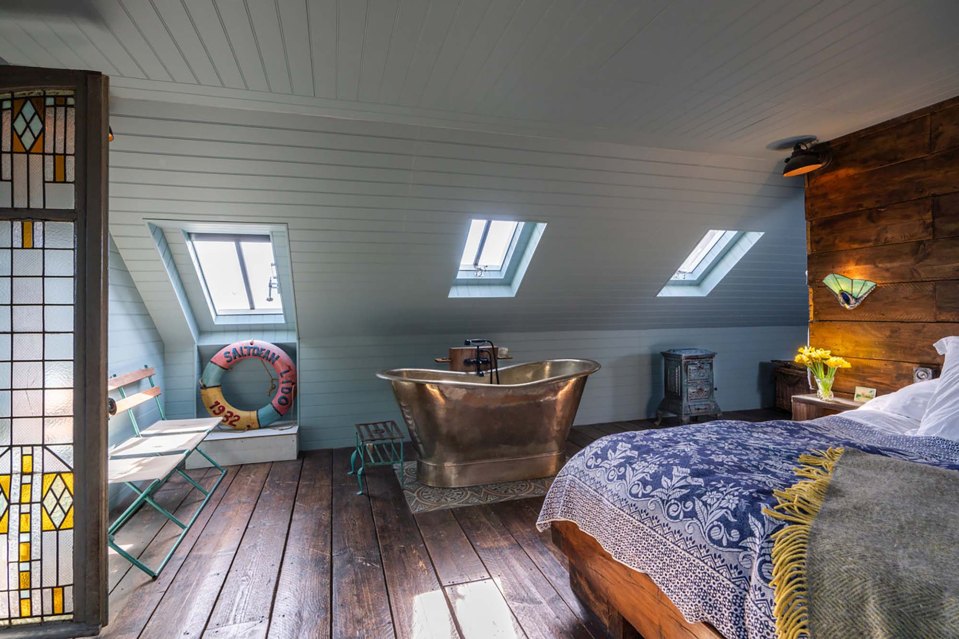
(230, 315)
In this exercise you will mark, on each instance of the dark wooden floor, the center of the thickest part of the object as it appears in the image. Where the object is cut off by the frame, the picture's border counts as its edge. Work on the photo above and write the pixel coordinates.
(289, 550)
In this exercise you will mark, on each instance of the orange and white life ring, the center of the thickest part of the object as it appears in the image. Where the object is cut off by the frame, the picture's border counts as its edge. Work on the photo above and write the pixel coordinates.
(211, 389)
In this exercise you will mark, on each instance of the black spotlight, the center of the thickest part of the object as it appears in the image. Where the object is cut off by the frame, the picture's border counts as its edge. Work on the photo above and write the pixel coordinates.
(805, 158)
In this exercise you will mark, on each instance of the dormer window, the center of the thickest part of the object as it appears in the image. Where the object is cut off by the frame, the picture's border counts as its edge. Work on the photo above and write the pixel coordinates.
(495, 257)
(237, 272)
(708, 263)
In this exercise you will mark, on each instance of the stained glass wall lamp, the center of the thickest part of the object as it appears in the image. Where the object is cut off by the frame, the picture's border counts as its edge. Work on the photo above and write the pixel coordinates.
(53, 136)
(848, 291)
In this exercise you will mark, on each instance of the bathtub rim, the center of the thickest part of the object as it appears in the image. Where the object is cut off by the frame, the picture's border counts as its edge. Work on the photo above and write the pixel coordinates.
(388, 374)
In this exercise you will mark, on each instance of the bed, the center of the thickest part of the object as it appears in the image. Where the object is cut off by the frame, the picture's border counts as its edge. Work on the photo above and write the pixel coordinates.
(665, 530)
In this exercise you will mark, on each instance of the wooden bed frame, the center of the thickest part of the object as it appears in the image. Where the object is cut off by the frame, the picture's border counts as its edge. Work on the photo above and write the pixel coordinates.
(624, 601)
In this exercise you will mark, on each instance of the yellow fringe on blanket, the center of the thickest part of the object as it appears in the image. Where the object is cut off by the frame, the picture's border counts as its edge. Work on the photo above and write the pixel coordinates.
(798, 506)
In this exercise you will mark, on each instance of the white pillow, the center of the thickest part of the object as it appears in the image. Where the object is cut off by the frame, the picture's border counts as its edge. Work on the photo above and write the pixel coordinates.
(942, 414)
(909, 402)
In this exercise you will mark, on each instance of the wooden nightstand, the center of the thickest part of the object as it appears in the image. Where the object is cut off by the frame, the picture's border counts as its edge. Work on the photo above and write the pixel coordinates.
(810, 406)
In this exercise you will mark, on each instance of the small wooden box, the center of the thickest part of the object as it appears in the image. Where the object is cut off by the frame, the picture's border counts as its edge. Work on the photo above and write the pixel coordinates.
(790, 379)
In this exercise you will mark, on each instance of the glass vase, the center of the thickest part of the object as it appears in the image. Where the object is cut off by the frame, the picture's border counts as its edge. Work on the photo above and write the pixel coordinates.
(824, 388)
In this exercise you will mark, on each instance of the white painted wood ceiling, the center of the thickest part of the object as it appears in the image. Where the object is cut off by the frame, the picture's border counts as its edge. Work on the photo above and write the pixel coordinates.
(722, 76)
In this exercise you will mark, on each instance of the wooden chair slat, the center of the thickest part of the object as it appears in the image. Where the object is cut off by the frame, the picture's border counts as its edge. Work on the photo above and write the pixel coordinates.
(127, 403)
(123, 379)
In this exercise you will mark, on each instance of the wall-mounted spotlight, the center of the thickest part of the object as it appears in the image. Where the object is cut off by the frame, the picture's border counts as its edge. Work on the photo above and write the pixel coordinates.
(109, 134)
(806, 157)
(849, 292)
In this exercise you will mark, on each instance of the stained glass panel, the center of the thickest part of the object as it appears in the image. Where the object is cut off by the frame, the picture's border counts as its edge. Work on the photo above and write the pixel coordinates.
(36, 392)
(37, 131)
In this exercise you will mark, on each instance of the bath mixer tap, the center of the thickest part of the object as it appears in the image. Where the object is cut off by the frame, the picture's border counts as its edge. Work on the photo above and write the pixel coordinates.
(479, 360)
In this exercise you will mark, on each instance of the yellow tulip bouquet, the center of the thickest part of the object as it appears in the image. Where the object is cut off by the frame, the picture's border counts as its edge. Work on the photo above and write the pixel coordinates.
(823, 365)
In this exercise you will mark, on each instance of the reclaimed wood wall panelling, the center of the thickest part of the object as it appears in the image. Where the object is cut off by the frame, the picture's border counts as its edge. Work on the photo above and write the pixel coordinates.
(887, 209)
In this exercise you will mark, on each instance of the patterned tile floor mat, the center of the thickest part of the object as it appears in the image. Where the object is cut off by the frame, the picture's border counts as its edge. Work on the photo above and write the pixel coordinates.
(421, 498)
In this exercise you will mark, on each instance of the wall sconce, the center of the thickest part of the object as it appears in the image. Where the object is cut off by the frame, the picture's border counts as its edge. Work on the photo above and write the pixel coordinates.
(806, 157)
(109, 134)
(849, 292)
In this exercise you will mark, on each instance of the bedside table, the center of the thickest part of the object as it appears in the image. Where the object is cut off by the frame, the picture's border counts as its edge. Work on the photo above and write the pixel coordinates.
(810, 406)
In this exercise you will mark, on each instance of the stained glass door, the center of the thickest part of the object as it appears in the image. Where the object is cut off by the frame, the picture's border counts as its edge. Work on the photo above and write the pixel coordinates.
(52, 343)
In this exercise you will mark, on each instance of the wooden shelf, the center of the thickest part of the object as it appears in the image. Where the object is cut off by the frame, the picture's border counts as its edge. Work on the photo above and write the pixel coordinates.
(811, 406)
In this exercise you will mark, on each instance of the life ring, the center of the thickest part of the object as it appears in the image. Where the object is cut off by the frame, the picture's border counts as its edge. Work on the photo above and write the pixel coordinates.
(211, 390)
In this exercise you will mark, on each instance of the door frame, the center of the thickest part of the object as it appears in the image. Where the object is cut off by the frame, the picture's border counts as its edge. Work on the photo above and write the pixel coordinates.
(90, 340)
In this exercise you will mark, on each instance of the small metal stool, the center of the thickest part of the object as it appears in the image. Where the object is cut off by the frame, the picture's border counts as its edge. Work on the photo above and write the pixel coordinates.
(377, 444)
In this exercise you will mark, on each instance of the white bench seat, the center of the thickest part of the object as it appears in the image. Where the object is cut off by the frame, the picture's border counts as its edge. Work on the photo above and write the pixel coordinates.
(158, 445)
(132, 469)
(175, 426)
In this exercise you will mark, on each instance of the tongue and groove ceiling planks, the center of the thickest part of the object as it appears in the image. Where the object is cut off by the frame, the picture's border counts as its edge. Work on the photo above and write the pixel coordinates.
(376, 129)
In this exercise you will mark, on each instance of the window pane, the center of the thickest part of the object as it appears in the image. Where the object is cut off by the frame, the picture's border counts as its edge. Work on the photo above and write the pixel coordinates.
(497, 243)
(472, 243)
(221, 270)
(702, 249)
(258, 257)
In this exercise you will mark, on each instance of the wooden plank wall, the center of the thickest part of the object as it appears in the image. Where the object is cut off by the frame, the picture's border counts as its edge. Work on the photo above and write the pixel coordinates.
(887, 209)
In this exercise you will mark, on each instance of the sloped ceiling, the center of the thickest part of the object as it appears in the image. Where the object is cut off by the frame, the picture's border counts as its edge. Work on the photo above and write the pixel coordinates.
(722, 76)
(378, 214)
(376, 129)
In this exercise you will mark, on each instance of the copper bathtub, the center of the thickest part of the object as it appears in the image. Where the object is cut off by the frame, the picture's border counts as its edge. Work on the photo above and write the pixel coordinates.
(467, 431)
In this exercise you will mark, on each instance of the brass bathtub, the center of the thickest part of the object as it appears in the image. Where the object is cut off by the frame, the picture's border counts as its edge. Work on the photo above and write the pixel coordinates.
(467, 431)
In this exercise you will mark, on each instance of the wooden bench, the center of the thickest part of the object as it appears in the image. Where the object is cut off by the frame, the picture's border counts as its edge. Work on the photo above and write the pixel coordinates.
(147, 460)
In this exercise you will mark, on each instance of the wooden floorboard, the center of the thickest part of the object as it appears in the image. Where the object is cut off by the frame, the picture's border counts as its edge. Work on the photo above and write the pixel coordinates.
(289, 550)
(302, 606)
(193, 593)
(246, 597)
(361, 605)
(416, 598)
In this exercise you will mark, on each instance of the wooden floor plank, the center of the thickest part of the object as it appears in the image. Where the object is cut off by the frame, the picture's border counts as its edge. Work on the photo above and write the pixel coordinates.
(452, 553)
(136, 597)
(519, 517)
(539, 609)
(302, 607)
(186, 607)
(482, 612)
(416, 597)
(592, 431)
(361, 605)
(247, 593)
(580, 437)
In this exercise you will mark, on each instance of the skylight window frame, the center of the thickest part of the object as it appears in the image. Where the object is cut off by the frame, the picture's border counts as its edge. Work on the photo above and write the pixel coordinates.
(507, 270)
(713, 267)
(709, 260)
(237, 239)
(505, 281)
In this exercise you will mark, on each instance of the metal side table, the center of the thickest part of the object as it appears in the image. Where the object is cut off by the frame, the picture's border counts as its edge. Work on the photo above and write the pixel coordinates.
(377, 444)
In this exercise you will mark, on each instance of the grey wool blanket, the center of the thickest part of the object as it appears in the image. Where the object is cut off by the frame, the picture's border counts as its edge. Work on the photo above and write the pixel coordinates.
(872, 549)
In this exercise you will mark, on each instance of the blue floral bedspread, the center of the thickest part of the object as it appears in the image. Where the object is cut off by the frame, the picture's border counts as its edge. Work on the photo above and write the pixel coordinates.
(684, 505)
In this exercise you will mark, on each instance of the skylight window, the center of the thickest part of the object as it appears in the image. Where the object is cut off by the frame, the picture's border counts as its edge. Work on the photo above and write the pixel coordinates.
(238, 273)
(495, 257)
(487, 246)
(709, 262)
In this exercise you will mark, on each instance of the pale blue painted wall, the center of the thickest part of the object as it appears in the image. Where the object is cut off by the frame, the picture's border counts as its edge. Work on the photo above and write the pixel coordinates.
(133, 342)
